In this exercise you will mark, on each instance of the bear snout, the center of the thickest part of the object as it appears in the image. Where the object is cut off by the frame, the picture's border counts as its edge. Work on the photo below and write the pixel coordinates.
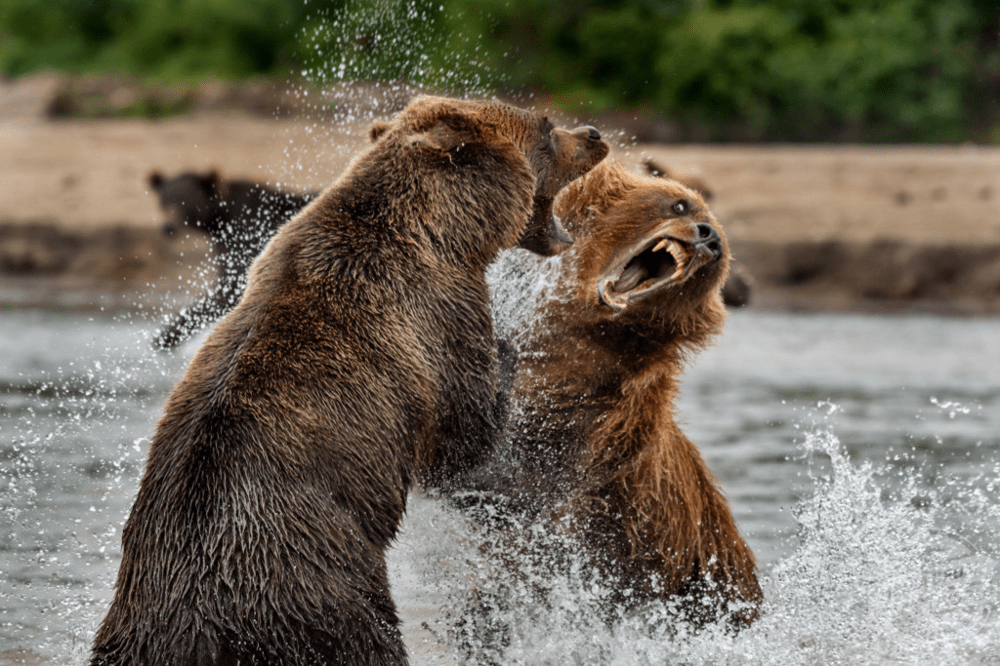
(708, 238)
(586, 132)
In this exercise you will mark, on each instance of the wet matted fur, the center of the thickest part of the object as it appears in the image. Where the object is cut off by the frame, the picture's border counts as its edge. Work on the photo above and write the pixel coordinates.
(361, 358)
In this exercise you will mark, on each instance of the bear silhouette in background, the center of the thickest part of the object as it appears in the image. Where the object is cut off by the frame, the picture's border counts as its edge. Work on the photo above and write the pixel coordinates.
(361, 359)
(594, 450)
(239, 217)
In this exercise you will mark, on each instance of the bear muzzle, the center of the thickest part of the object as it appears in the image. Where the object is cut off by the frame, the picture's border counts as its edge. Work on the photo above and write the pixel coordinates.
(666, 258)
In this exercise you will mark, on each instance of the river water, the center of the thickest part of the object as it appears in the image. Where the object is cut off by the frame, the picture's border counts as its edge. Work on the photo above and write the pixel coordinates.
(860, 455)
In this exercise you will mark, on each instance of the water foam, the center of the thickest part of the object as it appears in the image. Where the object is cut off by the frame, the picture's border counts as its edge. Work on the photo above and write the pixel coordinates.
(882, 571)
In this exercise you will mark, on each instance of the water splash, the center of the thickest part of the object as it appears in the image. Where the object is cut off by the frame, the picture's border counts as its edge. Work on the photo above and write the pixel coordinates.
(365, 60)
(895, 559)
(520, 284)
(884, 570)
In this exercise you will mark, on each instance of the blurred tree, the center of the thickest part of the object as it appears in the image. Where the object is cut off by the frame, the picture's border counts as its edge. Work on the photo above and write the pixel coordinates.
(885, 70)
(795, 69)
(167, 39)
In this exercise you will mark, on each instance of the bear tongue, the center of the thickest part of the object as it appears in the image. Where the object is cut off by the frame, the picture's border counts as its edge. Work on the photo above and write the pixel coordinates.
(630, 277)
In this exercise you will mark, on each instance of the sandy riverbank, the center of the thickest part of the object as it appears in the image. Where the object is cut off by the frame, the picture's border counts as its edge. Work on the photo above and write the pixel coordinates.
(893, 228)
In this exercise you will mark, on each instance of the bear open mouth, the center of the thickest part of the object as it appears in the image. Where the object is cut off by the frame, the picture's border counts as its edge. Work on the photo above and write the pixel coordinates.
(657, 263)
(654, 263)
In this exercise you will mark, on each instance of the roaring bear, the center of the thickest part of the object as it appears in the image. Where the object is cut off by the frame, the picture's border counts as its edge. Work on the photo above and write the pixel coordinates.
(738, 287)
(594, 446)
(361, 359)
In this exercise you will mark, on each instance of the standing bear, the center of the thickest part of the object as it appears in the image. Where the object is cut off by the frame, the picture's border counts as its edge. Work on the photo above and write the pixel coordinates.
(594, 450)
(361, 358)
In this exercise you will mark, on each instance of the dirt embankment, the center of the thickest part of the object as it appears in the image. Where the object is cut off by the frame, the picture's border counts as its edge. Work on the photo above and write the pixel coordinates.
(818, 227)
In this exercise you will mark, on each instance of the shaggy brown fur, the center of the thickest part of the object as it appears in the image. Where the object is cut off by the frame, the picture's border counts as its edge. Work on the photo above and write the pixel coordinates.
(596, 443)
(239, 217)
(544, 234)
(361, 358)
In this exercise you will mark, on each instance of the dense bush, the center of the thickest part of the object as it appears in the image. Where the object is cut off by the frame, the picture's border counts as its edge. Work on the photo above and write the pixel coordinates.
(902, 70)
(161, 39)
(889, 70)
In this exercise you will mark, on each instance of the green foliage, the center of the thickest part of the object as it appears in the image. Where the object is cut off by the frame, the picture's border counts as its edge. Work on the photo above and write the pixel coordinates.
(885, 70)
(164, 39)
(60, 34)
(899, 70)
(786, 69)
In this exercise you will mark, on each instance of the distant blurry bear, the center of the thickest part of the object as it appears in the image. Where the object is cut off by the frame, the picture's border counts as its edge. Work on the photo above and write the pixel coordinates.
(239, 217)
(594, 448)
(361, 359)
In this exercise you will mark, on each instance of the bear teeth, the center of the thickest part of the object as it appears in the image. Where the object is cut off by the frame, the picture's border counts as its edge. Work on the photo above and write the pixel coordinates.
(665, 242)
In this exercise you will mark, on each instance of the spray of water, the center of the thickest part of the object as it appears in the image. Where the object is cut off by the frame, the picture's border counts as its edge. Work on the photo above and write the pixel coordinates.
(72, 458)
(882, 571)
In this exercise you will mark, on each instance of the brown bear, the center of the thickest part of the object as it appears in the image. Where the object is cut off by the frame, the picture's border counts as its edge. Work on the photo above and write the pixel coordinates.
(239, 217)
(361, 358)
(594, 447)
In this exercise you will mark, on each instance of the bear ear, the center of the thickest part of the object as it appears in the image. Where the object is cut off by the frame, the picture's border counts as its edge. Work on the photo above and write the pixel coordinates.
(155, 180)
(377, 129)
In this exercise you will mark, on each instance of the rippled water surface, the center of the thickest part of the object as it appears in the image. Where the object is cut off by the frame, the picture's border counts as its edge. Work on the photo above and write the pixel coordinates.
(860, 455)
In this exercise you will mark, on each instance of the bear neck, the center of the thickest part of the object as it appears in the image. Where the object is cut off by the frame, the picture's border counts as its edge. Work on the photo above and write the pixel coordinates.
(574, 373)
(668, 507)
(622, 347)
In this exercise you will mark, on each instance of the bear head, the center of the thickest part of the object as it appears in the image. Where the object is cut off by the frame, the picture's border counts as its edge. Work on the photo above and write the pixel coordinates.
(648, 253)
(189, 199)
(557, 156)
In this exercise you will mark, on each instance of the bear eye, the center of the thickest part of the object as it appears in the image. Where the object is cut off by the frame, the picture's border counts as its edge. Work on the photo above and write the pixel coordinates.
(681, 207)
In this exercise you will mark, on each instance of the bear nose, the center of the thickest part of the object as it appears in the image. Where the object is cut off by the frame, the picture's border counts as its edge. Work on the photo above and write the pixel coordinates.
(708, 238)
(592, 133)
